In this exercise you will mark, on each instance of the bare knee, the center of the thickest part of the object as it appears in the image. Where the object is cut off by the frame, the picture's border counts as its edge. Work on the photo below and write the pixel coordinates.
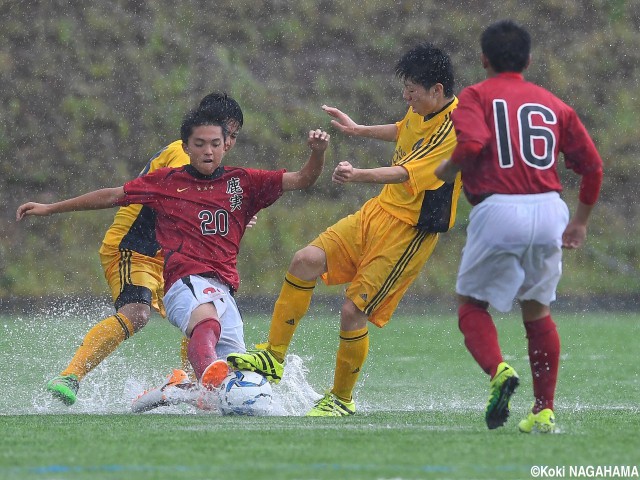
(137, 313)
(464, 300)
(309, 263)
(202, 313)
(532, 310)
(351, 317)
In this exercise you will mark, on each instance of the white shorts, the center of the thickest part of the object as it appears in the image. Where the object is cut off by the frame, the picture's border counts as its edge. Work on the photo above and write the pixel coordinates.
(188, 293)
(513, 249)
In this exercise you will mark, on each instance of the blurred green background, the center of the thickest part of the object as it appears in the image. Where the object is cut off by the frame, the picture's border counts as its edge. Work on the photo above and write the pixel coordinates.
(90, 90)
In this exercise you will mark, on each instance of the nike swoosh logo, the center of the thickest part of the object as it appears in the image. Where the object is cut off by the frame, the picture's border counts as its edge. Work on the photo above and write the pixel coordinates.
(182, 189)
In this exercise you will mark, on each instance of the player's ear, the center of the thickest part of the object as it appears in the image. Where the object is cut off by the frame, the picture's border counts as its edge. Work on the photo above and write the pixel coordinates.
(185, 148)
(484, 60)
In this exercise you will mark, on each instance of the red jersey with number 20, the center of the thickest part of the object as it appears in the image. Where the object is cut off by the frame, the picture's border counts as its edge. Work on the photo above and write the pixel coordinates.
(200, 219)
(521, 128)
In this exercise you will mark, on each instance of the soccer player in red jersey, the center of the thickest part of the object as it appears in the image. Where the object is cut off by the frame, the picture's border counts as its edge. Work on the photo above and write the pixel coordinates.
(509, 134)
(202, 211)
(132, 263)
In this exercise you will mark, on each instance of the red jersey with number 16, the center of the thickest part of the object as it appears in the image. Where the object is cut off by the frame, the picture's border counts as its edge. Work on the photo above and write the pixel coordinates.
(200, 219)
(521, 128)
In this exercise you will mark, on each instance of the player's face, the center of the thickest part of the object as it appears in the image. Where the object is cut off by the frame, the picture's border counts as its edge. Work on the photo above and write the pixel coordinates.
(423, 101)
(206, 147)
(233, 130)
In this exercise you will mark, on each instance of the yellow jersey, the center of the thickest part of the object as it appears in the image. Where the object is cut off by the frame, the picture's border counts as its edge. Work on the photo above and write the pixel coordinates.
(133, 227)
(422, 143)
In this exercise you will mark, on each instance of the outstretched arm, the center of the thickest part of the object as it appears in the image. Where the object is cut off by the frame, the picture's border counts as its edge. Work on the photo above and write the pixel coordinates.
(318, 142)
(98, 199)
(346, 173)
(343, 122)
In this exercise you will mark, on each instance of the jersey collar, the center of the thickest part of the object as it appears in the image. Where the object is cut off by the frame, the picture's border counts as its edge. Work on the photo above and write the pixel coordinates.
(190, 169)
(514, 75)
(431, 115)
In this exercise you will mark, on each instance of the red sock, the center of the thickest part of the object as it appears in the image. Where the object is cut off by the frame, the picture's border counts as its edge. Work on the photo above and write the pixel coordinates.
(544, 358)
(201, 350)
(480, 336)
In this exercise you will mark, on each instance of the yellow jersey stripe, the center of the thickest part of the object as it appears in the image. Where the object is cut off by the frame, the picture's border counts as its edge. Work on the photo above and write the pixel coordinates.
(436, 140)
(124, 268)
(397, 270)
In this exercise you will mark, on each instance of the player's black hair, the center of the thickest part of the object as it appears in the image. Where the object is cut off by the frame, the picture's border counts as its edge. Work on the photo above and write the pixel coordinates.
(426, 65)
(198, 117)
(506, 45)
(224, 105)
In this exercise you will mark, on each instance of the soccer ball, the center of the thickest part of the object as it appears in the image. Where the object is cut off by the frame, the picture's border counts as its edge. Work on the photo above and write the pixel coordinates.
(245, 393)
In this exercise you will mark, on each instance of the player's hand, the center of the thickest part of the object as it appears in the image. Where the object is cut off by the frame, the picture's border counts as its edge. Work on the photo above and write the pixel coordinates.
(341, 121)
(31, 208)
(343, 173)
(252, 222)
(447, 171)
(574, 235)
(318, 140)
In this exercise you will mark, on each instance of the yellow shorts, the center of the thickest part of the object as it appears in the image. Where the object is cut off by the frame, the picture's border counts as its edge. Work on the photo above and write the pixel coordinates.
(133, 277)
(378, 254)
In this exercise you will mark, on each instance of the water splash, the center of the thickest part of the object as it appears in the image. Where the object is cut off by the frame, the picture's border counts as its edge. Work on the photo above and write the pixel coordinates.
(293, 396)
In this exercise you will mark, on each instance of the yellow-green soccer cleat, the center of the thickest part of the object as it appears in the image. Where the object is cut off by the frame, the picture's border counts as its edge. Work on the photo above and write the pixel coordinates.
(64, 388)
(501, 388)
(260, 361)
(542, 422)
(332, 406)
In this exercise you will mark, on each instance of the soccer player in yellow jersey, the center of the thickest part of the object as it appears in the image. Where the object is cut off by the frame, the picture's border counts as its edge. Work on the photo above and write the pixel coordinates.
(380, 249)
(132, 264)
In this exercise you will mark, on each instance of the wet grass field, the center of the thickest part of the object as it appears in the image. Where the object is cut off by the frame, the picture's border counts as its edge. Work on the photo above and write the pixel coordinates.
(420, 406)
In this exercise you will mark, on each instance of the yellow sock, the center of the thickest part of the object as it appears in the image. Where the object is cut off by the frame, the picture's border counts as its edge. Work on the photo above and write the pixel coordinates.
(184, 358)
(98, 344)
(352, 353)
(291, 306)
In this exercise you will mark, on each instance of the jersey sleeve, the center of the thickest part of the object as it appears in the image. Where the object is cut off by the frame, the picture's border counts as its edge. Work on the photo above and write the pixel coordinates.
(422, 170)
(469, 121)
(142, 190)
(581, 156)
(267, 187)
